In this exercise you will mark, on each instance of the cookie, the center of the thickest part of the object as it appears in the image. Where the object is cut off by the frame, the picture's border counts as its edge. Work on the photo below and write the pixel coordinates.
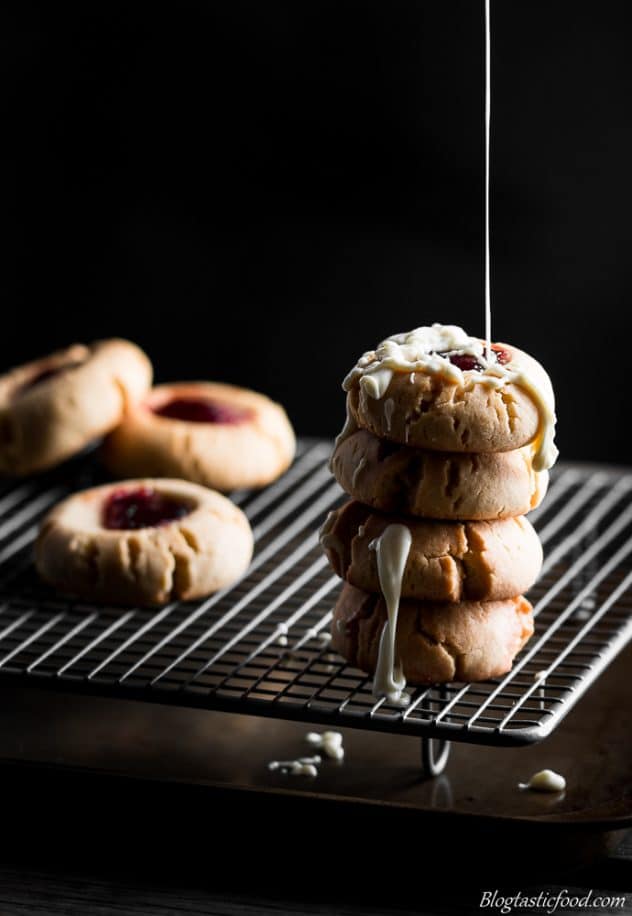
(54, 407)
(435, 643)
(434, 389)
(217, 435)
(441, 485)
(447, 561)
(143, 542)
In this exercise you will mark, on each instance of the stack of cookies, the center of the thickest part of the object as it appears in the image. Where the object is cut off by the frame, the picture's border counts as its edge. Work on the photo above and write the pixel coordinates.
(444, 450)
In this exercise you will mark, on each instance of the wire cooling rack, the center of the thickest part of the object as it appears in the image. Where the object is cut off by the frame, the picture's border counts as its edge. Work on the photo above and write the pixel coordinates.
(261, 647)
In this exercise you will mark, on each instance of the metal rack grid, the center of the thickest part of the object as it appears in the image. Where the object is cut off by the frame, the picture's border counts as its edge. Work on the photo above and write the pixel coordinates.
(227, 652)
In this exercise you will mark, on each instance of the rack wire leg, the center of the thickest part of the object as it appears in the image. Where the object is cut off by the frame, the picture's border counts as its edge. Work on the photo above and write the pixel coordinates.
(434, 756)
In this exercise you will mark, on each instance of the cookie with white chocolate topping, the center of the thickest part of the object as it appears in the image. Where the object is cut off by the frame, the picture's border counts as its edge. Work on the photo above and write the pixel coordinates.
(438, 388)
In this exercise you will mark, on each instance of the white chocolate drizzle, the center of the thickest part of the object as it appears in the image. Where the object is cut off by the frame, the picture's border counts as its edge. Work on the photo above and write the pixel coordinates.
(357, 470)
(419, 351)
(349, 428)
(330, 742)
(392, 549)
(545, 781)
(389, 407)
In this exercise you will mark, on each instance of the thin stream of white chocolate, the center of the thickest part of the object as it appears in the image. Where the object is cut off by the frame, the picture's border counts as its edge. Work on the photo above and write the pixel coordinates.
(392, 549)
(419, 351)
(487, 122)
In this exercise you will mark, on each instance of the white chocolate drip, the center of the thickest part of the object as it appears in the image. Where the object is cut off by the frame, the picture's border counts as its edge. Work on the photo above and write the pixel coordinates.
(361, 464)
(389, 408)
(545, 781)
(349, 428)
(330, 742)
(392, 548)
(418, 351)
(302, 766)
(321, 636)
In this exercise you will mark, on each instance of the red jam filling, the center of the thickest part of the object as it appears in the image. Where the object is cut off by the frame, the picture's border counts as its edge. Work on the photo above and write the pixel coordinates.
(467, 363)
(202, 410)
(144, 507)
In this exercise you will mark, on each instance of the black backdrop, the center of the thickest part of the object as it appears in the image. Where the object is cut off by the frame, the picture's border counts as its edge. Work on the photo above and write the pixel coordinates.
(257, 191)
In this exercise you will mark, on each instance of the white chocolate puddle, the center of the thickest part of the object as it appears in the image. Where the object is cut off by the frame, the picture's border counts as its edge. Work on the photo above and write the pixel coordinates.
(418, 351)
(302, 766)
(330, 742)
(392, 549)
(545, 781)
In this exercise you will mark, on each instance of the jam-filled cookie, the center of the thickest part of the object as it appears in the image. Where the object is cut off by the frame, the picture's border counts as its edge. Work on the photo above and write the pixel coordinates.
(438, 388)
(435, 643)
(442, 485)
(53, 407)
(143, 542)
(446, 561)
(217, 435)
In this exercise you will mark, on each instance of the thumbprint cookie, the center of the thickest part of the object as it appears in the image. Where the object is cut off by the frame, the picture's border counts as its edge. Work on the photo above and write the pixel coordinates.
(143, 542)
(54, 407)
(218, 435)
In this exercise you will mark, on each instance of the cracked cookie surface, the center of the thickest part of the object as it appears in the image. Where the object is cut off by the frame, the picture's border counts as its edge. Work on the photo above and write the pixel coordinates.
(447, 561)
(435, 643)
(198, 550)
(217, 435)
(440, 485)
(52, 408)
(432, 412)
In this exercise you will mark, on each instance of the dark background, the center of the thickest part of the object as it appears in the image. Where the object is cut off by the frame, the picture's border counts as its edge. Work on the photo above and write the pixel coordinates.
(259, 191)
